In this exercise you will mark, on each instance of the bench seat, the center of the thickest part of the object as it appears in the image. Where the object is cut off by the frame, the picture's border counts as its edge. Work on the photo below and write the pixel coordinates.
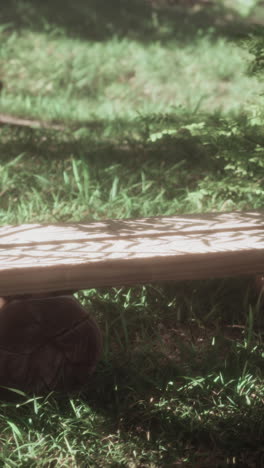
(36, 258)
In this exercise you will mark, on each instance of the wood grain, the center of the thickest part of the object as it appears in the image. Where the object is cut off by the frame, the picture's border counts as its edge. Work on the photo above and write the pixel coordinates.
(40, 258)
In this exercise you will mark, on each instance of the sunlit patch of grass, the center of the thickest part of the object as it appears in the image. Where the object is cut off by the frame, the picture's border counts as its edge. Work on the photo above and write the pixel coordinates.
(65, 79)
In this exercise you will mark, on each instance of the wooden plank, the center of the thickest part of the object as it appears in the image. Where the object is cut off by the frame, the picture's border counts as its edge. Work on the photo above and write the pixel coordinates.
(170, 225)
(41, 258)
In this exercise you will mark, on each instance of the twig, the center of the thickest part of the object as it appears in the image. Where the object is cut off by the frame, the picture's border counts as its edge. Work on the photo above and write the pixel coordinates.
(9, 120)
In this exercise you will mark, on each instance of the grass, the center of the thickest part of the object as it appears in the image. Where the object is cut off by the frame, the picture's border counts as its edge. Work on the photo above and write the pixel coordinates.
(68, 79)
(161, 116)
(48, 74)
(82, 175)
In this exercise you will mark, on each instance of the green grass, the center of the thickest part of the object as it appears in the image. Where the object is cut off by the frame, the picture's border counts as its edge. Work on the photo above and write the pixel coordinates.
(160, 115)
(65, 79)
(49, 75)
(214, 165)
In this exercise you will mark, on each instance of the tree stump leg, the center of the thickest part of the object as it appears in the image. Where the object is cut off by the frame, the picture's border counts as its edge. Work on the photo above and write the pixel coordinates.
(47, 343)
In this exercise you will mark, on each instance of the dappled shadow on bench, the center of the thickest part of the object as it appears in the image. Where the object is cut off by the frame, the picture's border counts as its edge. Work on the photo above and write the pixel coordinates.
(127, 252)
(115, 229)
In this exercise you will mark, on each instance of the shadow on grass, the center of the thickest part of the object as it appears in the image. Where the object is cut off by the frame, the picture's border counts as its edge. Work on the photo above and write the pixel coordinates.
(142, 396)
(167, 391)
(157, 408)
(202, 164)
(196, 141)
(137, 19)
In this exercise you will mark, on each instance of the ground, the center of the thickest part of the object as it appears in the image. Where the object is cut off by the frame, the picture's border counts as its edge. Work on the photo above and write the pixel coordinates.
(137, 111)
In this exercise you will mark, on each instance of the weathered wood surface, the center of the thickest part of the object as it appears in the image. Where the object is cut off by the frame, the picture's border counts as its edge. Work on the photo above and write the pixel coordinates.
(38, 258)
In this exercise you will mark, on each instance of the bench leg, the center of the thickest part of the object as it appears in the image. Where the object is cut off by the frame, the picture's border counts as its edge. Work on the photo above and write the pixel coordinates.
(47, 343)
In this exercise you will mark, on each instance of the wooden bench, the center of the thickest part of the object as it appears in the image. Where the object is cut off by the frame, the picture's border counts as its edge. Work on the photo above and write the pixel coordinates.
(37, 258)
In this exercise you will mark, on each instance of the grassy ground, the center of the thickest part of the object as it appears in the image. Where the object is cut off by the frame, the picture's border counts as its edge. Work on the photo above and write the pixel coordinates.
(160, 116)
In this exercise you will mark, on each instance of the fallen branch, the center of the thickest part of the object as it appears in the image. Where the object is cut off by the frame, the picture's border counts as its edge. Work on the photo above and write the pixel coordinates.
(9, 120)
